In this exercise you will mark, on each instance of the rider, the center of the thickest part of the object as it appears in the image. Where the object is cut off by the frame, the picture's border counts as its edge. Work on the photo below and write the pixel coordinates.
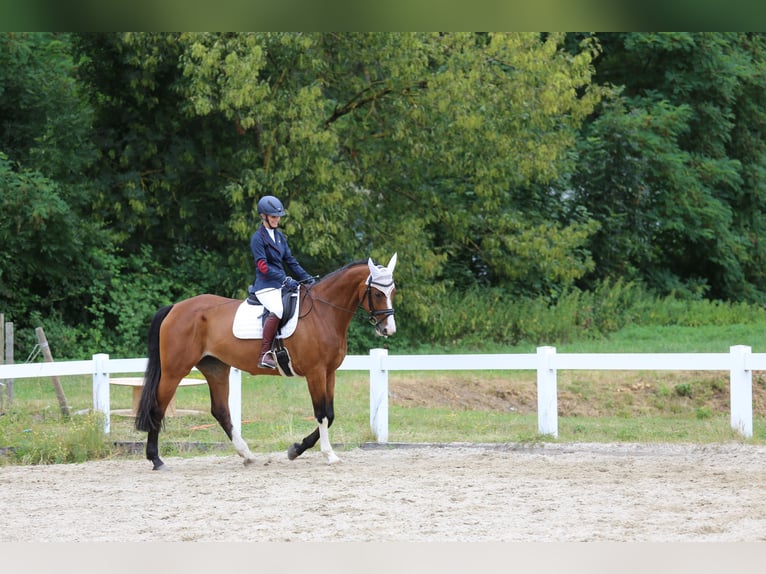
(271, 254)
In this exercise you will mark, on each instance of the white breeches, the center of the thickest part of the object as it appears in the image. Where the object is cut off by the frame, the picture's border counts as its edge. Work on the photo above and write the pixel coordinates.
(271, 299)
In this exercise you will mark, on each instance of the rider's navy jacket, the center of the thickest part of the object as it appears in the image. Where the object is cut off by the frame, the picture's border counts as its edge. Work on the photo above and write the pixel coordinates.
(276, 254)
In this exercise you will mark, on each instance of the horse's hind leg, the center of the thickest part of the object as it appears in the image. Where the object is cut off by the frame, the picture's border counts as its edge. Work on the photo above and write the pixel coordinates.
(321, 434)
(158, 402)
(217, 375)
(298, 448)
(153, 450)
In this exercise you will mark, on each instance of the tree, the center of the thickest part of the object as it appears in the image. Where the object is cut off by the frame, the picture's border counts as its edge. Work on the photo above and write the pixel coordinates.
(663, 168)
(376, 143)
(50, 252)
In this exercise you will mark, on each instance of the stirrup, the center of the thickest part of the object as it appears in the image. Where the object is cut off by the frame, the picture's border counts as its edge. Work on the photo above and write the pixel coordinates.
(268, 356)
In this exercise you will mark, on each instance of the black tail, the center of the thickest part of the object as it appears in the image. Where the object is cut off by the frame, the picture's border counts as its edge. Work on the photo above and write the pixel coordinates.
(148, 406)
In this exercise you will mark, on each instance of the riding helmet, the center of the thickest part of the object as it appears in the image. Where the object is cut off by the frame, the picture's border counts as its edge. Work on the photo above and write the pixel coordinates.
(270, 205)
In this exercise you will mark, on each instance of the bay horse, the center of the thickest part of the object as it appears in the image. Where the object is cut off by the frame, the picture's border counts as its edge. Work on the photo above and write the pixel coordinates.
(197, 332)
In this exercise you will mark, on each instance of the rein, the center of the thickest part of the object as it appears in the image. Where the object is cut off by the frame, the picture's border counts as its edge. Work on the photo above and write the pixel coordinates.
(373, 313)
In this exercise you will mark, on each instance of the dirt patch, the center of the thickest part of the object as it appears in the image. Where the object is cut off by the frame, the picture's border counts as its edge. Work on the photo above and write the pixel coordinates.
(583, 393)
(545, 493)
(463, 392)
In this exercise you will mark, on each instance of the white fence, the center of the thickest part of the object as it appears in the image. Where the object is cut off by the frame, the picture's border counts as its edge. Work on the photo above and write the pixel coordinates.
(739, 361)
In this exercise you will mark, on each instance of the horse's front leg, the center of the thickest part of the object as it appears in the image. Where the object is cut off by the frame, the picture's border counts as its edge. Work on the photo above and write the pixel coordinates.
(321, 434)
(324, 442)
(324, 422)
(322, 391)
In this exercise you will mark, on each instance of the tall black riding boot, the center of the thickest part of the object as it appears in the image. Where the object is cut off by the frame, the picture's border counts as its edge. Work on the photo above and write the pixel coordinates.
(269, 330)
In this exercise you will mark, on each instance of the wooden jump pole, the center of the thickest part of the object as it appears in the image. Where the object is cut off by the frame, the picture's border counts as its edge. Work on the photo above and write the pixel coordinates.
(2, 361)
(45, 348)
(8, 359)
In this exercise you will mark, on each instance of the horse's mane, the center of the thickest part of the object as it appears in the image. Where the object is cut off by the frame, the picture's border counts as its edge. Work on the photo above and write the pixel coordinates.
(344, 268)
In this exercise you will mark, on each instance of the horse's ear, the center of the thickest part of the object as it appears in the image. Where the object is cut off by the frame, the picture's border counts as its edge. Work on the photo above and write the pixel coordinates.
(391, 264)
(371, 265)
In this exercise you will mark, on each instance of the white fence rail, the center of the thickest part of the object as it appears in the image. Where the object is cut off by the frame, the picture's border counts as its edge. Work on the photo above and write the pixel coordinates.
(739, 361)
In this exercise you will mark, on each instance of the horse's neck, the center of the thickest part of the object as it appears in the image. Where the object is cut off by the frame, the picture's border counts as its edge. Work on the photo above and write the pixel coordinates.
(343, 291)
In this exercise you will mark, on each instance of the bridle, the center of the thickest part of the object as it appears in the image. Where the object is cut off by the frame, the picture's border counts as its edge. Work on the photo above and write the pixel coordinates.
(375, 316)
(383, 314)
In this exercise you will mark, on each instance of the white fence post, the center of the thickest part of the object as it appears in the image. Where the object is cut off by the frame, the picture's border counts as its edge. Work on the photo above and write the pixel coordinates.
(101, 388)
(547, 401)
(235, 398)
(379, 394)
(741, 383)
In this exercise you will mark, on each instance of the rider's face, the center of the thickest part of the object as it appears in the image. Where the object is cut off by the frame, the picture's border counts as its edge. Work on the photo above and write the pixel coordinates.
(273, 221)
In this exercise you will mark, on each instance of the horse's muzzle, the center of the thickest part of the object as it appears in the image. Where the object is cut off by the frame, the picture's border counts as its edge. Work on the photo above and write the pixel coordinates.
(387, 327)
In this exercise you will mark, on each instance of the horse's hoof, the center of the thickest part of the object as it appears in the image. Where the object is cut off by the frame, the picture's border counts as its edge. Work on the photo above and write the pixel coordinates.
(249, 461)
(161, 466)
(332, 458)
(292, 452)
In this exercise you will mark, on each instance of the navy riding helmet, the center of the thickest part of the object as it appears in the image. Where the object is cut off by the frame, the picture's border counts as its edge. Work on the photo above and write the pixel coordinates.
(270, 205)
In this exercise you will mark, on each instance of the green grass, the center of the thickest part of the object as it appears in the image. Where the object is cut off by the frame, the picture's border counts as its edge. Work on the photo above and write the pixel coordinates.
(277, 411)
(674, 339)
(647, 339)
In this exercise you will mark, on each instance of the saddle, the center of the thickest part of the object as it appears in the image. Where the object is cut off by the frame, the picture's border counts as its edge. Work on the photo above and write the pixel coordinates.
(251, 315)
(289, 304)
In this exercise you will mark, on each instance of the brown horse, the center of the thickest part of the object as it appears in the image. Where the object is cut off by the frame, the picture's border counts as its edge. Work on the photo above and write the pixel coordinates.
(197, 332)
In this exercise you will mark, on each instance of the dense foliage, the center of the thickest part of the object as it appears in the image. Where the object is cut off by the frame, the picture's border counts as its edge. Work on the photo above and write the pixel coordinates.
(516, 175)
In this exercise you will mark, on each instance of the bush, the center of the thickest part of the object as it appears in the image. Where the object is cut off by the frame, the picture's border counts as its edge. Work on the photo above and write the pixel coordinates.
(475, 318)
(671, 310)
(479, 316)
(59, 440)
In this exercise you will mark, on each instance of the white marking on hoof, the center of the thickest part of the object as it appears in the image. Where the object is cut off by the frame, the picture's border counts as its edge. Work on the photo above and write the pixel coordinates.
(324, 442)
(241, 447)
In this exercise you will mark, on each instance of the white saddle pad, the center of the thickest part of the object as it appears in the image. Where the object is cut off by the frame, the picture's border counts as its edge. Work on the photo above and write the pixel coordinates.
(248, 322)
